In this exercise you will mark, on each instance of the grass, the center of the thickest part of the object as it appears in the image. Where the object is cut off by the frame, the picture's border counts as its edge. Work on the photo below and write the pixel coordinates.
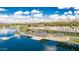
(65, 33)
(74, 40)
(73, 36)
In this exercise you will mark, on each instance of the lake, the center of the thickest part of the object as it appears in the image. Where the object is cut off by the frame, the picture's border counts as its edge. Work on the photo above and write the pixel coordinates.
(25, 43)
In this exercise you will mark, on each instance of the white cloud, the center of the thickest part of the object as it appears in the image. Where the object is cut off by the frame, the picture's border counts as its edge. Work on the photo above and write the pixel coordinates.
(76, 12)
(77, 16)
(76, 8)
(18, 16)
(57, 17)
(21, 12)
(54, 16)
(72, 17)
(4, 15)
(63, 17)
(69, 12)
(26, 12)
(38, 15)
(35, 11)
(65, 13)
(18, 13)
(2, 9)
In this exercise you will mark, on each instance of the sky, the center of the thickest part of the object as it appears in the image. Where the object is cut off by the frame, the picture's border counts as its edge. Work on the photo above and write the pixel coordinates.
(37, 14)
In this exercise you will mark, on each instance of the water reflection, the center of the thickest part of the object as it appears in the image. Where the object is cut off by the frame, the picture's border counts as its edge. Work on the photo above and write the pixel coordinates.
(50, 48)
(22, 44)
(59, 46)
(25, 43)
(6, 32)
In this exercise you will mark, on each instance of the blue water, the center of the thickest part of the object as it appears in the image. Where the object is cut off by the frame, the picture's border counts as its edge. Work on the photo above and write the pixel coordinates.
(24, 43)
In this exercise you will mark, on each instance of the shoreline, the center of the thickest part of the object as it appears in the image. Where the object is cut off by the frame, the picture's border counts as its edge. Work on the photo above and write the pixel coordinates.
(52, 39)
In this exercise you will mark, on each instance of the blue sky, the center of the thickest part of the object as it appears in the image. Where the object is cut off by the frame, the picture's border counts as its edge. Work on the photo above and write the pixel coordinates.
(45, 10)
(24, 14)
